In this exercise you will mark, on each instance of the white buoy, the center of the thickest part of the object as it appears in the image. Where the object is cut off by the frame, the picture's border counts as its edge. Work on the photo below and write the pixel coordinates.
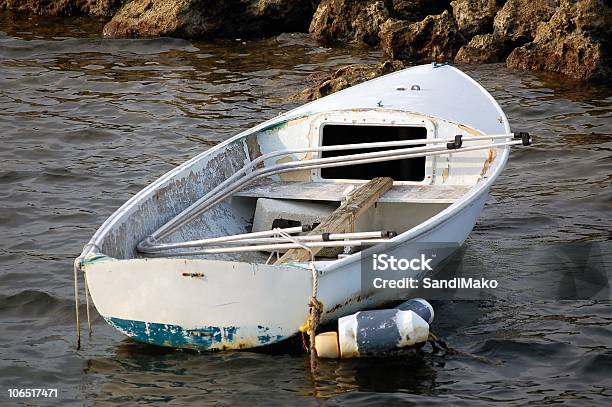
(378, 332)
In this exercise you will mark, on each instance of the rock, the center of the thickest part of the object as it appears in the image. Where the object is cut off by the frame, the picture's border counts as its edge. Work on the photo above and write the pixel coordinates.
(105, 8)
(150, 18)
(474, 16)
(350, 21)
(284, 15)
(518, 20)
(487, 48)
(514, 25)
(436, 38)
(416, 10)
(345, 77)
(575, 42)
(213, 18)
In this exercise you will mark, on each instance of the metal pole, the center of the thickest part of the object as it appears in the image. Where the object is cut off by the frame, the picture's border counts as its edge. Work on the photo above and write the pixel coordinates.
(356, 146)
(147, 248)
(264, 240)
(272, 247)
(262, 158)
(208, 200)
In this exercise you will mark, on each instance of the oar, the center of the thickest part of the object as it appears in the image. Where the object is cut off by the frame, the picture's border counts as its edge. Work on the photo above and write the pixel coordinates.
(212, 198)
(254, 238)
(271, 247)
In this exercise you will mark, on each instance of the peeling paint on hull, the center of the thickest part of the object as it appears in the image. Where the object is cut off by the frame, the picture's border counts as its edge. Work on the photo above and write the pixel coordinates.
(235, 306)
(205, 338)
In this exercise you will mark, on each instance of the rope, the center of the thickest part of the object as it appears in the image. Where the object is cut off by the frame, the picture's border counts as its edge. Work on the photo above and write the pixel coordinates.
(90, 331)
(315, 307)
(274, 251)
(77, 266)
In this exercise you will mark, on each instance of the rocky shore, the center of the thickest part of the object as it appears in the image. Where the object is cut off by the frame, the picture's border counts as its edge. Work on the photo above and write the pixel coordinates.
(571, 37)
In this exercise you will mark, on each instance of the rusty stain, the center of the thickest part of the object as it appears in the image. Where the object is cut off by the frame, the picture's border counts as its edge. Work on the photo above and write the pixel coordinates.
(492, 152)
(488, 162)
(253, 146)
(358, 298)
(445, 173)
(297, 120)
(469, 130)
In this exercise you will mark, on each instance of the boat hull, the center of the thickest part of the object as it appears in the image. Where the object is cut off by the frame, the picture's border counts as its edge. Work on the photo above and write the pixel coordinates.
(219, 305)
(229, 303)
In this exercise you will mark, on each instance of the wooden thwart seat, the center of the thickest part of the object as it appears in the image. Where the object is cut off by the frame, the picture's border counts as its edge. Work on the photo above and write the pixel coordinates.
(335, 191)
(343, 219)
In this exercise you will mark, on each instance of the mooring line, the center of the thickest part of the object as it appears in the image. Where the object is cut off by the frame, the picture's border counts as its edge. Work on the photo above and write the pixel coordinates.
(77, 302)
(87, 303)
(314, 305)
(77, 266)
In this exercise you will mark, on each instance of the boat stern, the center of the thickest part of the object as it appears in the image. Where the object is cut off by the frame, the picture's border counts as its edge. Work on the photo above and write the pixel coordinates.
(199, 304)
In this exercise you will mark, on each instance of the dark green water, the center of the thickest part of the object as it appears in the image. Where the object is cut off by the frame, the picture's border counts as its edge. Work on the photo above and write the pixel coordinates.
(85, 123)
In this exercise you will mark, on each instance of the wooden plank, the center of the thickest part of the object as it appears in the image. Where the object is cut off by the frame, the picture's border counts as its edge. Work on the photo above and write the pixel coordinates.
(334, 191)
(343, 219)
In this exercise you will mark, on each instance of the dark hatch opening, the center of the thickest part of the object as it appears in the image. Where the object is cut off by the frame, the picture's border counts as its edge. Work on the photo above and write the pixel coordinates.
(412, 169)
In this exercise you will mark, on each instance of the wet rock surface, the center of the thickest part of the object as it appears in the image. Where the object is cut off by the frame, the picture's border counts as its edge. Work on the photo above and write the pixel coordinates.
(474, 16)
(104, 8)
(436, 38)
(566, 36)
(343, 78)
(575, 42)
(508, 26)
(416, 10)
(349, 21)
(517, 21)
(215, 18)
(486, 48)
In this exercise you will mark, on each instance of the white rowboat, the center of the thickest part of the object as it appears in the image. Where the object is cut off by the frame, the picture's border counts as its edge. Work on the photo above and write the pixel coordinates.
(186, 262)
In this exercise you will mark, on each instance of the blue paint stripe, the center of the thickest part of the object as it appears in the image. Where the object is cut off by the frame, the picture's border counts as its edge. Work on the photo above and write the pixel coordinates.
(175, 336)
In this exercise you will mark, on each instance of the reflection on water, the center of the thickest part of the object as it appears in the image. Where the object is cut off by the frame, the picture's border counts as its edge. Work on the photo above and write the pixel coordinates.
(85, 123)
(186, 376)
